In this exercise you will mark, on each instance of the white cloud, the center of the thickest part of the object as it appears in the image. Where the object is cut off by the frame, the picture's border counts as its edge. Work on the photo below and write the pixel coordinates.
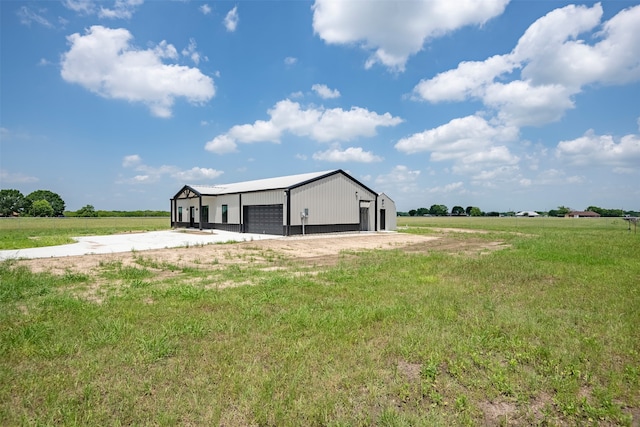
(196, 173)
(592, 149)
(492, 155)
(259, 131)
(231, 20)
(470, 79)
(399, 175)
(499, 174)
(290, 60)
(28, 16)
(205, 9)
(458, 139)
(454, 187)
(317, 123)
(131, 160)
(221, 144)
(324, 92)
(149, 174)
(554, 63)
(521, 104)
(401, 179)
(393, 31)
(104, 62)
(86, 7)
(122, 9)
(16, 177)
(191, 52)
(351, 154)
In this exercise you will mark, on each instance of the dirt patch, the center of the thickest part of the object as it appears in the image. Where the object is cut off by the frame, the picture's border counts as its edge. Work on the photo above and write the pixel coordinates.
(311, 251)
(498, 413)
(411, 371)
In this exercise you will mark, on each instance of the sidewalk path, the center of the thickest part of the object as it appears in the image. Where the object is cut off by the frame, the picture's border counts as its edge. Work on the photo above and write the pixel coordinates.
(134, 242)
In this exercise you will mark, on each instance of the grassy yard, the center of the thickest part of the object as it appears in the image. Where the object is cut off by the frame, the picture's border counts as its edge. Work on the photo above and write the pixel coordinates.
(545, 332)
(20, 233)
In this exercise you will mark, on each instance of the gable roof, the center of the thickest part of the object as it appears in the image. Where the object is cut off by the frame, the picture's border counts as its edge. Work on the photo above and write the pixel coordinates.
(528, 213)
(278, 183)
(584, 213)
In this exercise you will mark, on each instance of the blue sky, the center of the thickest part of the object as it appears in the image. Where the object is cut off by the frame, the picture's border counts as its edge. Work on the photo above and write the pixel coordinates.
(504, 105)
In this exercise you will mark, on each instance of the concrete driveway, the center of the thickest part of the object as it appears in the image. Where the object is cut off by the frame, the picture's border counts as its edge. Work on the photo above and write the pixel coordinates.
(134, 242)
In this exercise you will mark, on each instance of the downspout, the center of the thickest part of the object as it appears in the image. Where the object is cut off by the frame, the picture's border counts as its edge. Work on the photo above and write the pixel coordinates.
(200, 210)
(287, 196)
(376, 215)
(172, 204)
(241, 212)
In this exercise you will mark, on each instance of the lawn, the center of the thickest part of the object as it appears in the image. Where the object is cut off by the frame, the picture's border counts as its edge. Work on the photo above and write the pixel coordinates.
(542, 332)
(20, 233)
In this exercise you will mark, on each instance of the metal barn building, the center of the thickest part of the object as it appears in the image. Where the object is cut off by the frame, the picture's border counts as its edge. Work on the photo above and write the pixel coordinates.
(320, 202)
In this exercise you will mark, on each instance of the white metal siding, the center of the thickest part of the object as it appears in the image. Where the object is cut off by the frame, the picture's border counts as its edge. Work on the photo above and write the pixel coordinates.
(233, 209)
(331, 200)
(273, 197)
(211, 202)
(389, 207)
(185, 204)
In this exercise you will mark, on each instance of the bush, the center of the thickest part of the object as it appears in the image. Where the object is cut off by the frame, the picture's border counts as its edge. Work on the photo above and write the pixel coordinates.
(41, 208)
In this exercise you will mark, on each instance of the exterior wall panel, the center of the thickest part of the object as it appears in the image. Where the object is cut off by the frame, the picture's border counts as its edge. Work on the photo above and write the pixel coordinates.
(273, 197)
(233, 208)
(388, 207)
(331, 200)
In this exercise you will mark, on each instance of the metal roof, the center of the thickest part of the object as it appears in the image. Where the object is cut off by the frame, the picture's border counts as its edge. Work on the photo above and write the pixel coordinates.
(282, 182)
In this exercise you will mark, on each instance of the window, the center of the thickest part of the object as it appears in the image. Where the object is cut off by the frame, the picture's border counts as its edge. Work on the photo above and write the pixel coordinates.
(180, 214)
(204, 214)
(225, 215)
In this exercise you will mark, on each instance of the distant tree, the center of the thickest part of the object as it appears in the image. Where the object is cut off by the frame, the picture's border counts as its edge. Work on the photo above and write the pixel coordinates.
(87, 211)
(493, 213)
(475, 212)
(412, 212)
(55, 201)
(596, 210)
(422, 211)
(457, 210)
(41, 208)
(438, 210)
(11, 201)
(563, 210)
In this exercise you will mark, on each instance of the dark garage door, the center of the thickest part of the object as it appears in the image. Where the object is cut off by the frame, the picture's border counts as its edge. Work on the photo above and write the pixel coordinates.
(263, 219)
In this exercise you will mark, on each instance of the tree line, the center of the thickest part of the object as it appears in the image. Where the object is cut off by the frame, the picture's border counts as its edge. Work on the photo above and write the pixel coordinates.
(37, 203)
(442, 210)
(45, 203)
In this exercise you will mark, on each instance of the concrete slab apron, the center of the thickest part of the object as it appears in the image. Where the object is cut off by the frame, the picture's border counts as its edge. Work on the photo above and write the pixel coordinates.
(133, 242)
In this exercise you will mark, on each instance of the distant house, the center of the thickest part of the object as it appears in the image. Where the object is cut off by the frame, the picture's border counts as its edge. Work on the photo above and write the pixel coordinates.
(582, 214)
(320, 202)
(528, 213)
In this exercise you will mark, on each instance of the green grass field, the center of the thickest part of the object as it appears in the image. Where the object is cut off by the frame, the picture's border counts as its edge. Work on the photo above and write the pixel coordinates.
(544, 332)
(20, 233)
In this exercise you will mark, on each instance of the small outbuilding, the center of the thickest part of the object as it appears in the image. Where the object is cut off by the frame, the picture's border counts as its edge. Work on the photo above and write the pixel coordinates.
(318, 202)
(530, 214)
(583, 214)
